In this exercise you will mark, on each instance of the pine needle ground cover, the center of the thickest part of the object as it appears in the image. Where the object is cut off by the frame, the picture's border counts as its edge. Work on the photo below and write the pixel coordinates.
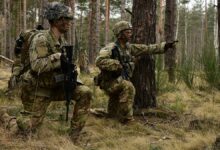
(185, 119)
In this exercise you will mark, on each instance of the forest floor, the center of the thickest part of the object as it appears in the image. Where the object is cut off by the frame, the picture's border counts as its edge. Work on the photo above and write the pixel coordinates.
(186, 119)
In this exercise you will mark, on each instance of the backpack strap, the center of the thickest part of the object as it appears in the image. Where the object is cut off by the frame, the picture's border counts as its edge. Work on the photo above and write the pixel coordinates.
(115, 53)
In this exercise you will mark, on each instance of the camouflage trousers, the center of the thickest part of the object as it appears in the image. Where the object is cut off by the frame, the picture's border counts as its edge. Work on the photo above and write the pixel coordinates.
(121, 97)
(35, 108)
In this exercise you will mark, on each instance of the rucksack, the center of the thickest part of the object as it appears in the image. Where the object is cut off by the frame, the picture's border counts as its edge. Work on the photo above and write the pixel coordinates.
(21, 50)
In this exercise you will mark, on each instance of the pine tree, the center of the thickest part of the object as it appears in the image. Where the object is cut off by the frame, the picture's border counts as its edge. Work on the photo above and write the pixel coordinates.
(144, 32)
(170, 28)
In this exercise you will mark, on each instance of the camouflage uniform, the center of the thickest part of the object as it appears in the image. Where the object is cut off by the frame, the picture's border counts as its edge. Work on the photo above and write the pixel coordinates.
(39, 88)
(120, 90)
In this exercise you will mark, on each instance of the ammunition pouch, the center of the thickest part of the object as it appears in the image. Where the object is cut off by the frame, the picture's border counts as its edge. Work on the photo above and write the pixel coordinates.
(49, 79)
(59, 78)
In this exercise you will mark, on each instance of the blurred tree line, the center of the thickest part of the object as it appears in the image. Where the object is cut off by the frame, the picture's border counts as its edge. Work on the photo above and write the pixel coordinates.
(90, 27)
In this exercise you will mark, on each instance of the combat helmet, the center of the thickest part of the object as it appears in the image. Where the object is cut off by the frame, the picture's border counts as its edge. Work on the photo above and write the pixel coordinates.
(56, 10)
(121, 26)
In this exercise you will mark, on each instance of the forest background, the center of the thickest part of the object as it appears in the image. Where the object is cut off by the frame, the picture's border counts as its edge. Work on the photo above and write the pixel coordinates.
(188, 97)
(196, 28)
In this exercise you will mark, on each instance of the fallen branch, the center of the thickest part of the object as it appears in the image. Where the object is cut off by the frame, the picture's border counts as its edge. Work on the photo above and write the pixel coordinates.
(5, 59)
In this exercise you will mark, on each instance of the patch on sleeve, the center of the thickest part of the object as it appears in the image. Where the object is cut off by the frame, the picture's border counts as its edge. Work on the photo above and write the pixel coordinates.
(41, 40)
(42, 51)
(41, 46)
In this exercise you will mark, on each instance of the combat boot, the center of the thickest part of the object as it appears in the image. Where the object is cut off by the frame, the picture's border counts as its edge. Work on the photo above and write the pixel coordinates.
(80, 138)
(127, 121)
(8, 122)
(3, 115)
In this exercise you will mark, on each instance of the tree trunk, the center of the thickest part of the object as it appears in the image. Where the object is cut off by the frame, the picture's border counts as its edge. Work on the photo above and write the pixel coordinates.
(42, 20)
(160, 32)
(2, 32)
(206, 18)
(74, 38)
(9, 42)
(144, 32)
(216, 33)
(170, 28)
(92, 32)
(24, 15)
(70, 35)
(177, 19)
(219, 32)
(160, 38)
(5, 29)
(123, 13)
(184, 53)
(80, 25)
(20, 16)
(98, 23)
(107, 15)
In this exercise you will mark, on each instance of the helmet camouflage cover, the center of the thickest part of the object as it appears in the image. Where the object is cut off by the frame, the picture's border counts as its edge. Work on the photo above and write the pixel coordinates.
(121, 26)
(56, 10)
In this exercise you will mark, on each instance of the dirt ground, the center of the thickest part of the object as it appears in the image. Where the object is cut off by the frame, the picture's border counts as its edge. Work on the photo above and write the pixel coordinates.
(185, 119)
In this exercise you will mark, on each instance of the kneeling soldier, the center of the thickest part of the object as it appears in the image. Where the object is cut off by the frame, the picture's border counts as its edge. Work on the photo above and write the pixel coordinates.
(116, 62)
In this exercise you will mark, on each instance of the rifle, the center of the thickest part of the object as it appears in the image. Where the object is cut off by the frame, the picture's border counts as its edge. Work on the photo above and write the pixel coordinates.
(124, 72)
(70, 74)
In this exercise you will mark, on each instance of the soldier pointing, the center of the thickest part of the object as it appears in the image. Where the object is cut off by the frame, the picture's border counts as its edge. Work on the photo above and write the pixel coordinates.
(116, 62)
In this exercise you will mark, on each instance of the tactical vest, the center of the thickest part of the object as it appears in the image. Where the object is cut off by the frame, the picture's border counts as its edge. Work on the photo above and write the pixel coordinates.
(126, 60)
(47, 79)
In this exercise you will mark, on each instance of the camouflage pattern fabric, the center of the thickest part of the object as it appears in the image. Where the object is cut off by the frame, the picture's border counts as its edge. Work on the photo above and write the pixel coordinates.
(121, 96)
(35, 108)
(121, 91)
(39, 88)
(7, 122)
(56, 10)
(120, 26)
(21, 63)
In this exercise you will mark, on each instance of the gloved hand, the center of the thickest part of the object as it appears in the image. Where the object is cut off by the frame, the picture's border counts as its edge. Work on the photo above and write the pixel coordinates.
(169, 45)
(55, 57)
(55, 60)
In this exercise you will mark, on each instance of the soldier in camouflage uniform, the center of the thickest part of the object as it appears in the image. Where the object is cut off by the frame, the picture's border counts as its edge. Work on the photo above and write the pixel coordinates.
(116, 62)
(38, 85)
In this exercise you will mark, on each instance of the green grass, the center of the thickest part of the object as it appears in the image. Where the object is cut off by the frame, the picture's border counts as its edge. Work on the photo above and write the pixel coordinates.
(186, 73)
(109, 134)
(211, 69)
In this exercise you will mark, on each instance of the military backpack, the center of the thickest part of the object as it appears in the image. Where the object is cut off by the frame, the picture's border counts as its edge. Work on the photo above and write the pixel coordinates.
(21, 51)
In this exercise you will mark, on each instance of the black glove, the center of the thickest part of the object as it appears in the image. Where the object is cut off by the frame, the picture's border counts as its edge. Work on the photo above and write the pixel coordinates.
(169, 45)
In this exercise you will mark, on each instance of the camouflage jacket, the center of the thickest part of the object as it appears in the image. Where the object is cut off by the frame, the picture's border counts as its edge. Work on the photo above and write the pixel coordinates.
(43, 65)
(106, 62)
(42, 47)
